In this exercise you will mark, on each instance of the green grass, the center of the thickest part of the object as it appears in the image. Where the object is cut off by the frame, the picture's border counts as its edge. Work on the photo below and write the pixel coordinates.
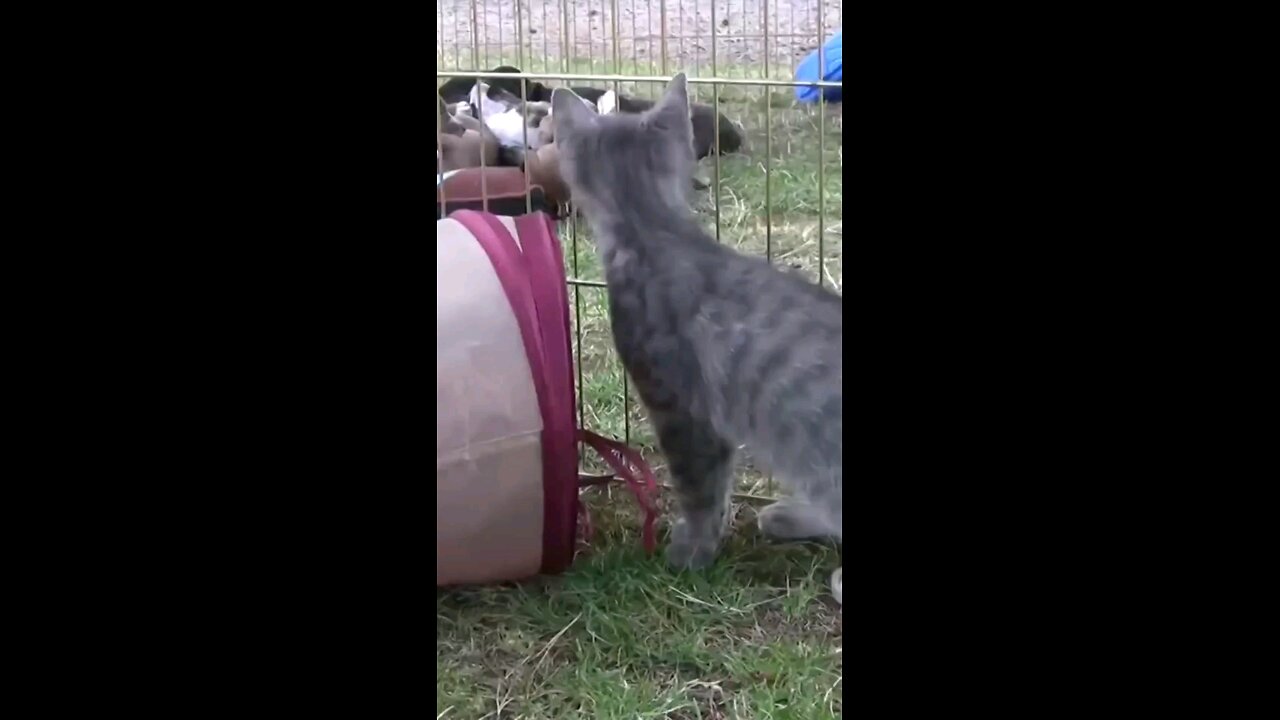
(620, 636)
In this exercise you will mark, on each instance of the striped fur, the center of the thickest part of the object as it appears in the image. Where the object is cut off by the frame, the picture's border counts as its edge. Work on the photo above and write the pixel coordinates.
(724, 349)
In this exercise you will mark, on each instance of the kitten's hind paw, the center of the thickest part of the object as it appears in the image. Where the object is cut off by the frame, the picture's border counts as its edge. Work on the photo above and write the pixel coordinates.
(792, 520)
(837, 585)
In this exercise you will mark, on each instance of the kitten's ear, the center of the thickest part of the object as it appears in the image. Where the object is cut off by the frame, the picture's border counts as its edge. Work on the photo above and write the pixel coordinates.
(674, 108)
(570, 112)
(678, 90)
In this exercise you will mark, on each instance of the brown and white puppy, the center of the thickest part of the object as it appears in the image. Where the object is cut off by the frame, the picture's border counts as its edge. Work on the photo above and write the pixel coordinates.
(542, 162)
(516, 123)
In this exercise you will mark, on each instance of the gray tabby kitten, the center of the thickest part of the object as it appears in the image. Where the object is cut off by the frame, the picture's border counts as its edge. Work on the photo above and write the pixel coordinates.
(723, 348)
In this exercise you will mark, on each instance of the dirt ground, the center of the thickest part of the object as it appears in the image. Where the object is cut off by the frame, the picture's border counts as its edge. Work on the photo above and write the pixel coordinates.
(485, 31)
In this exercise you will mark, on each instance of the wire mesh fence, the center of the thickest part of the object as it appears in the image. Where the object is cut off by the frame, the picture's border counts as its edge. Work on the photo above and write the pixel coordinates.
(780, 194)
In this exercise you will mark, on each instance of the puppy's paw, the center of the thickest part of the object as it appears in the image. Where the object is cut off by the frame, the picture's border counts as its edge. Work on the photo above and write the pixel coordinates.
(837, 585)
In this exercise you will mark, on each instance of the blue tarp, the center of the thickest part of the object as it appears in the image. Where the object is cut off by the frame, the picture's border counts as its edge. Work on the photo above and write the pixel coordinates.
(808, 69)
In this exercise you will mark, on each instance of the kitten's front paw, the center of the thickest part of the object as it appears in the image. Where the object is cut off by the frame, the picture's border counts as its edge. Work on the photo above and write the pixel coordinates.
(837, 585)
(690, 550)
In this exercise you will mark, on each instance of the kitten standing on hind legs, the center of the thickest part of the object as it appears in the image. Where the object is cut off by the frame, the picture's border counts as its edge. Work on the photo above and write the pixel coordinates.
(723, 348)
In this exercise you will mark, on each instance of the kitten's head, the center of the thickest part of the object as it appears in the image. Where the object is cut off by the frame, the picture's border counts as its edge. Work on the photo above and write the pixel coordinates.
(610, 159)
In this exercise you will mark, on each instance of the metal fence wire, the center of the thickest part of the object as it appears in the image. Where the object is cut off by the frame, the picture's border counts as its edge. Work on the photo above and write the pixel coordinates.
(780, 195)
